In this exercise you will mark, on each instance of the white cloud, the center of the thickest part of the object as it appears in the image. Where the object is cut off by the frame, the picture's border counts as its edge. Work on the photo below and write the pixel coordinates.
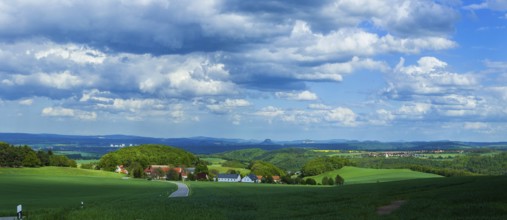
(496, 5)
(236, 103)
(319, 106)
(382, 117)
(414, 110)
(26, 102)
(305, 45)
(236, 119)
(73, 52)
(344, 116)
(402, 17)
(63, 80)
(227, 105)
(500, 91)
(335, 71)
(58, 111)
(428, 78)
(476, 126)
(135, 105)
(270, 111)
(496, 65)
(67, 112)
(298, 96)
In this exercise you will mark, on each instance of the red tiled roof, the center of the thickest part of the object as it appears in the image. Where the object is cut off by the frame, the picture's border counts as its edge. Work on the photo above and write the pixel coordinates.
(164, 168)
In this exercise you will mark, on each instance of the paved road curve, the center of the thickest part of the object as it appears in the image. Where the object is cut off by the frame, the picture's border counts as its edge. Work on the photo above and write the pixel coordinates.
(182, 190)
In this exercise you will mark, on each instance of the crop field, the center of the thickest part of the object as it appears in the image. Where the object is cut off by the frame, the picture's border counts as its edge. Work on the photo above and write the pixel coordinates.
(216, 164)
(55, 193)
(50, 191)
(355, 175)
(222, 169)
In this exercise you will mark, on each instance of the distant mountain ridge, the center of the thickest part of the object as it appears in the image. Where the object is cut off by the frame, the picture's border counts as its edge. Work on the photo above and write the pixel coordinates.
(208, 145)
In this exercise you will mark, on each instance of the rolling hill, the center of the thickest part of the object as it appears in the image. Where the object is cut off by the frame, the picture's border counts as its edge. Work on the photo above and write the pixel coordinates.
(356, 175)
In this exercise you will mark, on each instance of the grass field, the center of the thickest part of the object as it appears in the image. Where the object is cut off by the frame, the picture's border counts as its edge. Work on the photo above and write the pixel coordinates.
(216, 164)
(83, 154)
(62, 189)
(355, 175)
(79, 162)
(55, 193)
(213, 160)
(222, 169)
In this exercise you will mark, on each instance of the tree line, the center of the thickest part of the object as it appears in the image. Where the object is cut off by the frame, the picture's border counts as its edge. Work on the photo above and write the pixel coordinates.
(467, 165)
(320, 165)
(25, 156)
(140, 157)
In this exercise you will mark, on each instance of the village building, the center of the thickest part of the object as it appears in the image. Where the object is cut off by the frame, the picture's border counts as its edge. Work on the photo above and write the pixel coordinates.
(277, 179)
(152, 171)
(228, 178)
(252, 178)
(121, 169)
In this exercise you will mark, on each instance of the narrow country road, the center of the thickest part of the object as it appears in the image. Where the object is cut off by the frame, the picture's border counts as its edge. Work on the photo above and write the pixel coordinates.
(182, 190)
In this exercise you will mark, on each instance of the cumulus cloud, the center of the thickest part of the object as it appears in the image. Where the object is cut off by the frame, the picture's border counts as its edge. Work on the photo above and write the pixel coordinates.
(427, 78)
(496, 5)
(26, 102)
(175, 61)
(344, 116)
(227, 105)
(298, 96)
(67, 112)
(339, 116)
(270, 111)
(53, 71)
(415, 110)
(319, 106)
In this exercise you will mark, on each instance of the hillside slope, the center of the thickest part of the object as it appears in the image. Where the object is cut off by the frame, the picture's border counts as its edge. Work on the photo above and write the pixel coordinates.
(356, 175)
(147, 155)
(291, 159)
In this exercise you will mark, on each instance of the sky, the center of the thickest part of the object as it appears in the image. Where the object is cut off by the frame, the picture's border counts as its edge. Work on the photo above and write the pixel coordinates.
(286, 70)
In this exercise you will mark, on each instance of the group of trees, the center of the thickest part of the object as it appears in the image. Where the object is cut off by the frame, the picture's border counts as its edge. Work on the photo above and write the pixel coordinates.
(320, 165)
(265, 169)
(135, 159)
(24, 156)
(286, 158)
(466, 165)
(338, 180)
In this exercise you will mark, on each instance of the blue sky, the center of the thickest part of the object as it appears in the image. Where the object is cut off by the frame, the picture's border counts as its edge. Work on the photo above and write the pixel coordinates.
(331, 69)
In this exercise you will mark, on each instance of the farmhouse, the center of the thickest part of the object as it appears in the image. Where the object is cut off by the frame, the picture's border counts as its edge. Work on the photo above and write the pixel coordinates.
(121, 169)
(164, 169)
(276, 179)
(229, 178)
(252, 178)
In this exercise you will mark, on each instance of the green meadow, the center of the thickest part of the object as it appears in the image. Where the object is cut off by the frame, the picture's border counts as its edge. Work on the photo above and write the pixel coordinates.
(213, 160)
(56, 193)
(216, 164)
(355, 175)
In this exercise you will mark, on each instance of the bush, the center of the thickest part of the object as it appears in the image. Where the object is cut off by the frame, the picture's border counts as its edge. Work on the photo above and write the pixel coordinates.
(339, 180)
(137, 171)
(88, 166)
(324, 180)
(310, 181)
